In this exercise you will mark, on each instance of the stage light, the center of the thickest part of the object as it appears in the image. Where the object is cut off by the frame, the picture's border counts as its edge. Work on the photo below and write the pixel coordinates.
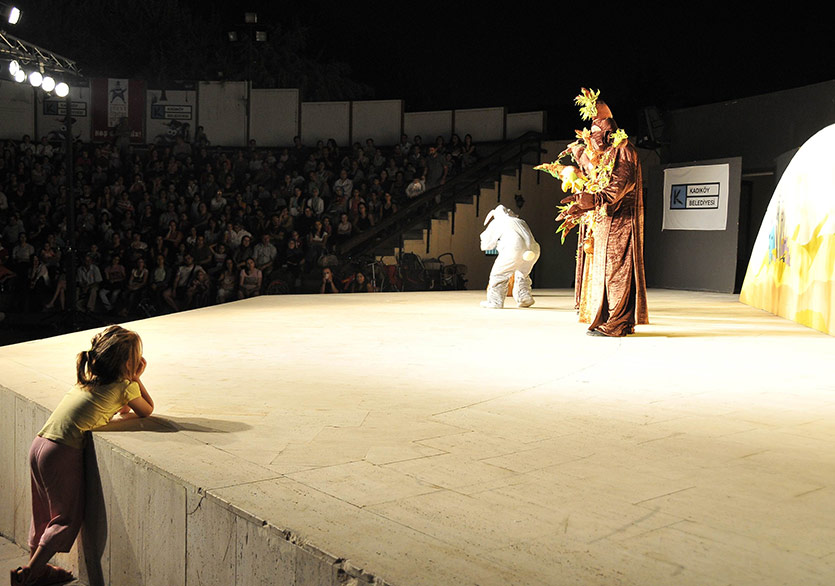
(48, 84)
(12, 13)
(35, 78)
(14, 67)
(20, 76)
(62, 90)
(260, 36)
(251, 17)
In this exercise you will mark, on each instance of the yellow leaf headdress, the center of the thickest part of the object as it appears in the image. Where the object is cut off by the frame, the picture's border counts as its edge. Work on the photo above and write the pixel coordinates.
(587, 100)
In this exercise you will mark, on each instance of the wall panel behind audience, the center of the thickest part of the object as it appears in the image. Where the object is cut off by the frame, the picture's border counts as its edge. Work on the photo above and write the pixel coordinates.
(51, 113)
(324, 120)
(381, 120)
(428, 125)
(221, 108)
(274, 117)
(484, 124)
(519, 124)
(17, 103)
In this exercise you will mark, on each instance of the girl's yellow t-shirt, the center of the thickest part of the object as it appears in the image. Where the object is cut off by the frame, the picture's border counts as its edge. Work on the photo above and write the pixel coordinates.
(82, 410)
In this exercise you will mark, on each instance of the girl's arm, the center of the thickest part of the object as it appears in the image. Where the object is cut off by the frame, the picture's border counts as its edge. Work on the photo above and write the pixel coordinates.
(143, 405)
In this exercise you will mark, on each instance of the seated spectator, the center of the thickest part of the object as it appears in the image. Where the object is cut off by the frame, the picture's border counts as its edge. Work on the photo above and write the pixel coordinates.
(219, 256)
(296, 203)
(436, 168)
(344, 229)
(127, 224)
(327, 226)
(294, 258)
(317, 241)
(213, 232)
(282, 221)
(227, 282)
(200, 138)
(190, 281)
(202, 253)
(243, 252)
(328, 284)
(22, 254)
(359, 284)
(455, 149)
(264, 254)
(160, 248)
(236, 234)
(88, 280)
(344, 183)
(364, 220)
(39, 285)
(374, 202)
(50, 256)
(218, 202)
(356, 173)
(398, 186)
(147, 222)
(58, 295)
(249, 284)
(389, 207)
(115, 278)
(44, 149)
(14, 228)
(315, 202)
(136, 287)
(468, 152)
(160, 278)
(338, 204)
(304, 223)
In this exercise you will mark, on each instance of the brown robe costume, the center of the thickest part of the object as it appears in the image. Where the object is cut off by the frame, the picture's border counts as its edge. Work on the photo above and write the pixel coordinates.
(610, 288)
(618, 295)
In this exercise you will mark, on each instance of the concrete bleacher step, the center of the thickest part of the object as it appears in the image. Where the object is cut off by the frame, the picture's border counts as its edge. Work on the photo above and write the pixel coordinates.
(414, 233)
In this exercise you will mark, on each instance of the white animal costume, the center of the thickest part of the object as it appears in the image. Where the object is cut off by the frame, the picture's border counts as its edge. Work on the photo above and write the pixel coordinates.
(518, 252)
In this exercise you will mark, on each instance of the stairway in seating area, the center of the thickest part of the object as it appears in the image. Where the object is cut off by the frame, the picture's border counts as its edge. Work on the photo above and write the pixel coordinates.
(457, 231)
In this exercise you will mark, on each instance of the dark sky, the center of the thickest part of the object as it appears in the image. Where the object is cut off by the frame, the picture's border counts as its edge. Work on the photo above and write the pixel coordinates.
(462, 54)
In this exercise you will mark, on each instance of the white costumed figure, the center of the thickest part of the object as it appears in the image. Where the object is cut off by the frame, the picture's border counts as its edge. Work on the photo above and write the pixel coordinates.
(518, 252)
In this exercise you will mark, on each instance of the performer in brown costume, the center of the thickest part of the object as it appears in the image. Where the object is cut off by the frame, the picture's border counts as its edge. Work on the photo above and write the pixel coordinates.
(616, 287)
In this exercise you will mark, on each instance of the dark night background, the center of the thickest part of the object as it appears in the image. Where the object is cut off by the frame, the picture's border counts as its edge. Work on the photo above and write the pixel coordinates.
(453, 55)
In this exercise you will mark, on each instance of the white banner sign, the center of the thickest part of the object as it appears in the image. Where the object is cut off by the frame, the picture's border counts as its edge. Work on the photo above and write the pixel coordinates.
(696, 198)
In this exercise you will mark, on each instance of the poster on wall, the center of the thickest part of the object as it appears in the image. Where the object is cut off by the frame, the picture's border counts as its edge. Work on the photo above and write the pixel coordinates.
(52, 112)
(696, 198)
(114, 99)
(171, 112)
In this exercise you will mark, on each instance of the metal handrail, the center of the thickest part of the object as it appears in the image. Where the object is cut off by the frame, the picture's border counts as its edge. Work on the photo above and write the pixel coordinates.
(442, 197)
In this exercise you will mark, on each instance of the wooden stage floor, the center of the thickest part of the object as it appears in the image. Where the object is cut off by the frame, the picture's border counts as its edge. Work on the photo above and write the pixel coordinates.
(417, 439)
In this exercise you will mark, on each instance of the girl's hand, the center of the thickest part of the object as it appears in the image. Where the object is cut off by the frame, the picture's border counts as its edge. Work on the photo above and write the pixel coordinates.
(140, 369)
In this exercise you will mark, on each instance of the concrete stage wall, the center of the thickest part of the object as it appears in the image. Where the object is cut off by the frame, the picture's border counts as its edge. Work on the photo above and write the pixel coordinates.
(416, 439)
(146, 525)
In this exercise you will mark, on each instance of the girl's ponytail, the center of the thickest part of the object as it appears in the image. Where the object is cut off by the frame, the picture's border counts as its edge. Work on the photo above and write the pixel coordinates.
(82, 368)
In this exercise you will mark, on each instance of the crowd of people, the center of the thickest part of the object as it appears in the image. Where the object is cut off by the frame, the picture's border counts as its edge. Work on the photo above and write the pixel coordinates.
(172, 226)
